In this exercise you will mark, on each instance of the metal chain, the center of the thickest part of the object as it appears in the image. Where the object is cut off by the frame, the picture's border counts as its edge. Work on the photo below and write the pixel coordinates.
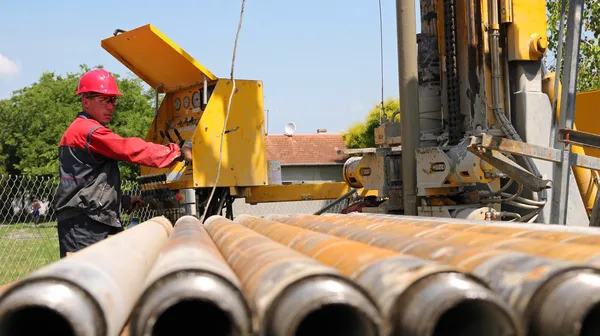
(454, 115)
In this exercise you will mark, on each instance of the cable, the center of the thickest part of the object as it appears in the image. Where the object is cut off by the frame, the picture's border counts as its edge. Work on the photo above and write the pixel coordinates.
(237, 35)
(381, 56)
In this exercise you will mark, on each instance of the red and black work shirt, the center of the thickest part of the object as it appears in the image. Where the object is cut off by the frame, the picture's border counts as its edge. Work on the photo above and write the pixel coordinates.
(90, 181)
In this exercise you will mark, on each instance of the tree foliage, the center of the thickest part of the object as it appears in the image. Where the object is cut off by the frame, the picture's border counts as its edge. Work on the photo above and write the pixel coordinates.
(362, 134)
(34, 118)
(589, 54)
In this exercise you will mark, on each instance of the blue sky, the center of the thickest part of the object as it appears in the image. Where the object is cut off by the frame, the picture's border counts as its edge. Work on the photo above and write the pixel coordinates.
(319, 60)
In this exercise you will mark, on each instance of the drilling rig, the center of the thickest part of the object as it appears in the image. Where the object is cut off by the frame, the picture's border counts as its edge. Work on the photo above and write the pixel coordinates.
(490, 144)
(491, 139)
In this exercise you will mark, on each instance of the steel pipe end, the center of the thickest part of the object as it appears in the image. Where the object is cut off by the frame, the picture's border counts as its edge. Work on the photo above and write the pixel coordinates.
(446, 304)
(570, 305)
(39, 306)
(241, 217)
(164, 222)
(278, 218)
(191, 303)
(323, 306)
(185, 219)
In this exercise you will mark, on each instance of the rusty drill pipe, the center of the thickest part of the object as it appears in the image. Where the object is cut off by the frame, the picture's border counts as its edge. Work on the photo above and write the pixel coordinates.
(567, 251)
(580, 253)
(90, 292)
(190, 280)
(416, 297)
(553, 297)
(290, 293)
(557, 233)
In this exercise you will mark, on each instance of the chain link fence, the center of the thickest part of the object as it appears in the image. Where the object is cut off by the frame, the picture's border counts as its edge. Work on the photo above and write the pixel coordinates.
(28, 226)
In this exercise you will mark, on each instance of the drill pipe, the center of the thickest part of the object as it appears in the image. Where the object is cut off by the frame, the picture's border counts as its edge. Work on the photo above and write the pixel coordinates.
(586, 254)
(557, 233)
(191, 280)
(90, 292)
(416, 297)
(552, 297)
(290, 293)
(5, 287)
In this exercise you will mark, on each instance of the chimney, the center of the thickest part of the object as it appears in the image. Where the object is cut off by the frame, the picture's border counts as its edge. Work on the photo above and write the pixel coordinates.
(321, 130)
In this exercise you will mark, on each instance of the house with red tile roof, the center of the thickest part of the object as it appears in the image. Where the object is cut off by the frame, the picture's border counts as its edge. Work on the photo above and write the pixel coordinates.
(304, 158)
(308, 157)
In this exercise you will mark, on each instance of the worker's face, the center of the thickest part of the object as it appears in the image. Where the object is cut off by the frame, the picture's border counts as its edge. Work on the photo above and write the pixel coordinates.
(100, 107)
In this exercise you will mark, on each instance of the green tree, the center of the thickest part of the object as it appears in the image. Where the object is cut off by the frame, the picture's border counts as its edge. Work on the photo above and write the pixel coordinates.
(34, 118)
(589, 55)
(362, 134)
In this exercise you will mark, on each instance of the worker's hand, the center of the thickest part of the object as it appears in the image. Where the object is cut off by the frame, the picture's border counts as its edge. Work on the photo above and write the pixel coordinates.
(187, 152)
(137, 202)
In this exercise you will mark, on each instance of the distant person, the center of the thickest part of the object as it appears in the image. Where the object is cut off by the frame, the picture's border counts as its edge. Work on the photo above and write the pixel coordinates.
(35, 206)
(89, 199)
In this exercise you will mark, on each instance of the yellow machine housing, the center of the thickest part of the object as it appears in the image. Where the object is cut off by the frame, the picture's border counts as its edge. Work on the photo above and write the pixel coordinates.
(184, 116)
(194, 109)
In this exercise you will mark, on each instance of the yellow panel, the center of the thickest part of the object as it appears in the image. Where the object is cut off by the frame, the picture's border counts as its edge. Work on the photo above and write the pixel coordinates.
(586, 116)
(585, 119)
(244, 161)
(527, 39)
(156, 59)
(296, 192)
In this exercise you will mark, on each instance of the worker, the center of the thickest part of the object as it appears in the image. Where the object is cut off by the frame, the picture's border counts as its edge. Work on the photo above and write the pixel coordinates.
(89, 199)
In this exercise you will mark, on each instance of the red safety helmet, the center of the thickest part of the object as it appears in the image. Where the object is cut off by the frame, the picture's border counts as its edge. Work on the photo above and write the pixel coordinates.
(98, 81)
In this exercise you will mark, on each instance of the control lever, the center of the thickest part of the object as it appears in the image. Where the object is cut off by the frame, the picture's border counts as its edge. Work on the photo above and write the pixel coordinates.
(168, 136)
(179, 137)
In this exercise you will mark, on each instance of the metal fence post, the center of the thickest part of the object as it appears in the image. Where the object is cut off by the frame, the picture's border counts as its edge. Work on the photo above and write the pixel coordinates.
(562, 170)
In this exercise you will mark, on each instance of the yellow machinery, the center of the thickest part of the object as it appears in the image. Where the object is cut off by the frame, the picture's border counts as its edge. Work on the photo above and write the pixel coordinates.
(488, 146)
(194, 109)
(484, 148)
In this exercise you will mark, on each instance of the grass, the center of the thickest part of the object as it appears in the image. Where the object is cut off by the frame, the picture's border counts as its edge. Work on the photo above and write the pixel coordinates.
(25, 247)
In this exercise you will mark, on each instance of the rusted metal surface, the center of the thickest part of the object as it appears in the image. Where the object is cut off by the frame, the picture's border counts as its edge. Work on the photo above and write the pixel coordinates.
(516, 241)
(288, 290)
(91, 292)
(191, 278)
(512, 169)
(533, 151)
(430, 114)
(571, 235)
(6, 286)
(412, 293)
(553, 297)
(429, 20)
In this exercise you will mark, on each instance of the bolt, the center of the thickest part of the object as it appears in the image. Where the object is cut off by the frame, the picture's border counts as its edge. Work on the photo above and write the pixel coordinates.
(542, 44)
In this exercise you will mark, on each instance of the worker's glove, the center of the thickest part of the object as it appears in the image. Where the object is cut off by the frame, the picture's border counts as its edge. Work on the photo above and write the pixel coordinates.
(186, 152)
(137, 202)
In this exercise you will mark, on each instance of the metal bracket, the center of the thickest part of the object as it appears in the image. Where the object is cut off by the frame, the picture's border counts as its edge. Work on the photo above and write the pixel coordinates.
(510, 168)
(505, 145)
(579, 138)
